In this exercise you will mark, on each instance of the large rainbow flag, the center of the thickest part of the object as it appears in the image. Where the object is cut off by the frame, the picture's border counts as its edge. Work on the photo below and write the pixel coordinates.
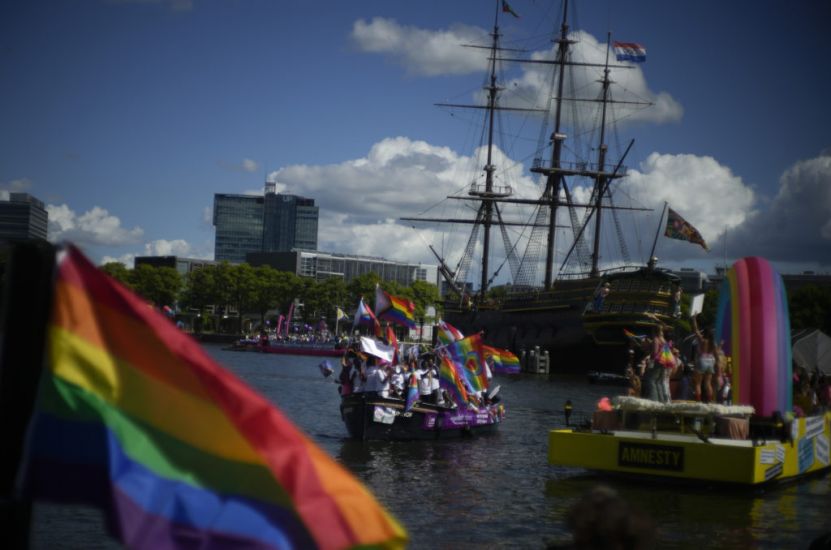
(504, 361)
(467, 355)
(394, 309)
(451, 379)
(134, 417)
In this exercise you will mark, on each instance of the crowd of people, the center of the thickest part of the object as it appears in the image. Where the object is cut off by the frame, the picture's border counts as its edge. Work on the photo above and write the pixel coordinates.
(364, 373)
(703, 374)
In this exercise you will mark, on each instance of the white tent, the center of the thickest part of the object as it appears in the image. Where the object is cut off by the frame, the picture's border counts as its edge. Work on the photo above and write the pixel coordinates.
(812, 350)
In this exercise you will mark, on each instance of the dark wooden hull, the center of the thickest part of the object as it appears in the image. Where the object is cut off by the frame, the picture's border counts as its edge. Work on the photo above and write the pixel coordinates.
(378, 418)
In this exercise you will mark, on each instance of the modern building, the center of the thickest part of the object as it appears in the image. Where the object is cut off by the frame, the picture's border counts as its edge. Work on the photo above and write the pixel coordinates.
(269, 223)
(180, 264)
(22, 217)
(692, 280)
(323, 265)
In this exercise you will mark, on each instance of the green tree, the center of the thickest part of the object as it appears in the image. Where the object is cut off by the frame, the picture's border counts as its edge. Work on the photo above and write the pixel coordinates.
(159, 285)
(117, 271)
(424, 295)
(199, 292)
(363, 286)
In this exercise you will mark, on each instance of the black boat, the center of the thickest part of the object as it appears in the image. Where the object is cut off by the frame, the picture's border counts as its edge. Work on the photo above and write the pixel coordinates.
(371, 417)
(558, 311)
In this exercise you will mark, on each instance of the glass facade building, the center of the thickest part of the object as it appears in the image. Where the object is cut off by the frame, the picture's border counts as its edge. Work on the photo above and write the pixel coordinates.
(268, 223)
(22, 217)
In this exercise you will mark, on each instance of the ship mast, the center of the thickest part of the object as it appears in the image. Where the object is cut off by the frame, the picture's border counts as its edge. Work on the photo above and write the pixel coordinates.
(600, 181)
(552, 184)
(489, 167)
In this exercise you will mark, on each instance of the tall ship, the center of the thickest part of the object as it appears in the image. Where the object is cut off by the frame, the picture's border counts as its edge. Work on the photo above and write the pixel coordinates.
(547, 287)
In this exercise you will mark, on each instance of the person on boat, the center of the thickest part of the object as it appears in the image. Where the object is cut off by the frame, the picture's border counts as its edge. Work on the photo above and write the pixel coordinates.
(600, 296)
(425, 382)
(377, 378)
(705, 362)
(397, 382)
(676, 301)
(634, 381)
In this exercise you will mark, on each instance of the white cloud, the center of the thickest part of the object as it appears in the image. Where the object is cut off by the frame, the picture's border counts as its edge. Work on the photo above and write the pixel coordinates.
(706, 194)
(162, 247)
(399, 177)
(422, 51)
(250, 165)
(629, 85)
(15, 186)
(438, 52)
(94, 227)
(796, 226)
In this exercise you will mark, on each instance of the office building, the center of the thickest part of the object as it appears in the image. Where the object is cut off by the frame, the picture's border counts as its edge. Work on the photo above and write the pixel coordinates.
(22, 217)
(269, 223)
(323, 265)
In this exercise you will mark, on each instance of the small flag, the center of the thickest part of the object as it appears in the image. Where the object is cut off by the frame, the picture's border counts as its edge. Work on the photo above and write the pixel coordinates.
(630, 51)
(632, 335)
(394, 309)
(681, 229)
(507, 9)
(340, 314)
(448, 334)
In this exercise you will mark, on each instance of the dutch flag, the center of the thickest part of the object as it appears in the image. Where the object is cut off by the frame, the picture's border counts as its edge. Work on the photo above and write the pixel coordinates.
(630, 51)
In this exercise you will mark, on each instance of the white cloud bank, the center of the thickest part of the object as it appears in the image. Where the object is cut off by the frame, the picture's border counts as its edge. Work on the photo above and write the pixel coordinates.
(96, 227)
(439, 52)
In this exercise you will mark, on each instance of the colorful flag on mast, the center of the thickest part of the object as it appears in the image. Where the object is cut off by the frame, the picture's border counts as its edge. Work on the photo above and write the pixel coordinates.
(681, 229)
(629, 51)
(394, 309)
(447, 333)
(103, 433)
(504, 361)
(507, 9)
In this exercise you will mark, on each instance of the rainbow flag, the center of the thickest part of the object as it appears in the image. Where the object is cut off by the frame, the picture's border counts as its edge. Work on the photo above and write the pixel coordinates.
(632, 335)
(394, 309)
(447, 333)
(134, 417)
(412, 393)
(504, 361)
(451, 379)
(467, 354)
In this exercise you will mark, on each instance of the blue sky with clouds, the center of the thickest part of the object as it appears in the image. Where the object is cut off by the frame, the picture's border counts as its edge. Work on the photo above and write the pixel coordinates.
(126, 116)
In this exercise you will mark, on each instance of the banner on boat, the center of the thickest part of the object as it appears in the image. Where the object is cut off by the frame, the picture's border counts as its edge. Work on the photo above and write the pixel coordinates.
(658, 457)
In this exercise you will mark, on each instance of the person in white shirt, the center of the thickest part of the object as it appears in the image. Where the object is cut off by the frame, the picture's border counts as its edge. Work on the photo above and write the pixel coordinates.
(397, 381)
(377, 379)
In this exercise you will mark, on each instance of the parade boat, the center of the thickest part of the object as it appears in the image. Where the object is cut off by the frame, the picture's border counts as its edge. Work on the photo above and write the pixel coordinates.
(380, 418)
(574, 156)
(752, 444)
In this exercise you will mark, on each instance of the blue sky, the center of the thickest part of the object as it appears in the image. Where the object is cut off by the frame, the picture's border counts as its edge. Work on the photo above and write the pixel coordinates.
(126, 116)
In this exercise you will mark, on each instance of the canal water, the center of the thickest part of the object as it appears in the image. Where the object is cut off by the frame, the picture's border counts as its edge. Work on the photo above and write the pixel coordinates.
(496, 491)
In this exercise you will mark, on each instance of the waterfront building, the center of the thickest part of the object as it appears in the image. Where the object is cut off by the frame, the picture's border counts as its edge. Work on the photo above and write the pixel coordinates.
(22, 217)
(269, 223)
(323, 265)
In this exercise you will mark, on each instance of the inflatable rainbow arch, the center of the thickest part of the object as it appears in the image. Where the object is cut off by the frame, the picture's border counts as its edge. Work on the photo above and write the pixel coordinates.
(754, 327)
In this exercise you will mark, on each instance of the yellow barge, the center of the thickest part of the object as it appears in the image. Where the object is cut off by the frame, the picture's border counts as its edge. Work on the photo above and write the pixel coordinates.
(695, 442)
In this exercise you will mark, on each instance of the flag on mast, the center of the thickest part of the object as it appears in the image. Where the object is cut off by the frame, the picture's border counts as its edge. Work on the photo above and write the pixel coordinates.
(681, 229)
(507, 9)
(629, 51)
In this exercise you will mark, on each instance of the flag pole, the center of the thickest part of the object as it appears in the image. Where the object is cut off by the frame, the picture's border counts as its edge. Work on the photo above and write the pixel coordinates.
(651, 262)
(27, 303)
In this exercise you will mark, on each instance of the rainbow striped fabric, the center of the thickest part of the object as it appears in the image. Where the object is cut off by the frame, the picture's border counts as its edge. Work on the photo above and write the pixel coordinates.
(467, 355)
(451, 379)
(394, 309)
(134, 417)
(504, 361)
(412, 393)
(447, 333)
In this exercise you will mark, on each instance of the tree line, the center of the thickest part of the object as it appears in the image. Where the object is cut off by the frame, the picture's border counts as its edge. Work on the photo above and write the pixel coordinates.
(257, 291)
